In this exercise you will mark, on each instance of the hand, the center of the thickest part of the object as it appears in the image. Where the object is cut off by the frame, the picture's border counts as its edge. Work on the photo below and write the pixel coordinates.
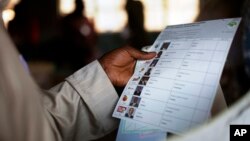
(119, 64)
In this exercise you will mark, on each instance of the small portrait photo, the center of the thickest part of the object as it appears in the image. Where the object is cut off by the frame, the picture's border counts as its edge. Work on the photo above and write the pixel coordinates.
(130, 112)
(159, 54)
(148, 72)
(121, 109)
(135, 101)
(165, 46)
(144, 80)
(154, 62)
(138, 90)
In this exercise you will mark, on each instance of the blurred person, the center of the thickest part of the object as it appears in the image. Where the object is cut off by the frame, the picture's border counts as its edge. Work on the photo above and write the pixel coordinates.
(54, 47)
(79, 38)
(35, 31)
(135, 32)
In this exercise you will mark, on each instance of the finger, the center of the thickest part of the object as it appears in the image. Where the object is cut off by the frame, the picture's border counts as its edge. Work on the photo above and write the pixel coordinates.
(140, 55)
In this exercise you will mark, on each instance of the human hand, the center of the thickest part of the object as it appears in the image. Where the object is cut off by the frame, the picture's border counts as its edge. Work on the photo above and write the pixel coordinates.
(119, 64)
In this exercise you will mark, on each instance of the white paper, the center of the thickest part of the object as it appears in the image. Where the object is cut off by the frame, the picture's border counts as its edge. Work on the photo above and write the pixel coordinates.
(137, 131)
(175, 90)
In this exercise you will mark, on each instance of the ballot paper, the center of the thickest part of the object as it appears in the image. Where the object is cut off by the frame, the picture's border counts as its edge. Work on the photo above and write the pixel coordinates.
(134, 131)
(175, 90)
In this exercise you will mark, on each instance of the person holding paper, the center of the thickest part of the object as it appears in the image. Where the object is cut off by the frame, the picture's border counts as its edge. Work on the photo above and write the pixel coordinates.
(77, 109)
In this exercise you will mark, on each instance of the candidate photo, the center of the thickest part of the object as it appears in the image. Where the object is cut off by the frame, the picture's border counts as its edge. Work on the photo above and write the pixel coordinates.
(135, 101)
(154, 63)
(159, 54)
(148, 72)
(165, 46)
(130, 113)
(144, 80)
(138, 90)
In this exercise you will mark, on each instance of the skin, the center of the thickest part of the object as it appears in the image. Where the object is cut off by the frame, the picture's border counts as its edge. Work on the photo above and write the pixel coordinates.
(119, 64)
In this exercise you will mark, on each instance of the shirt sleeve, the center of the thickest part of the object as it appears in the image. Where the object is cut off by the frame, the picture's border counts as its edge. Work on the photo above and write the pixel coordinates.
(81, 107)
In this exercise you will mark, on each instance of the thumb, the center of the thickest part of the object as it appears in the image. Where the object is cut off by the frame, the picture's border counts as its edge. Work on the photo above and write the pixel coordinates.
(140, 55)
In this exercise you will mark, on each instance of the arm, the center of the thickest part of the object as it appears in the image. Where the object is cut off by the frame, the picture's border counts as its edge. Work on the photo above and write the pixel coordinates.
(81, 107)
(22, 117)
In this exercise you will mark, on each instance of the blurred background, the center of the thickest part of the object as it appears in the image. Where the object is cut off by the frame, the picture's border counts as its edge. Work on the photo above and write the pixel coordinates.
(57, 37)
